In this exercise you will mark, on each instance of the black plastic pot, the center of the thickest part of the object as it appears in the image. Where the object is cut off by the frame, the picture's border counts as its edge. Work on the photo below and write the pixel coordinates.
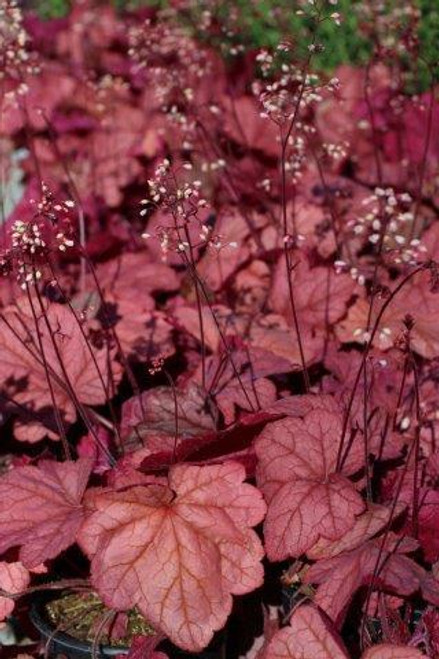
(61, 643)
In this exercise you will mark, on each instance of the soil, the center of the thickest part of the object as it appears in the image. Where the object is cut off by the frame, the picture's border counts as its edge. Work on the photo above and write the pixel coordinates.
(81, 615)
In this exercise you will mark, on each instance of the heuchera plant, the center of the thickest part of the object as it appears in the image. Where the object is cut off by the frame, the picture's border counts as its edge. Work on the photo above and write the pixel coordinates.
(219, 329)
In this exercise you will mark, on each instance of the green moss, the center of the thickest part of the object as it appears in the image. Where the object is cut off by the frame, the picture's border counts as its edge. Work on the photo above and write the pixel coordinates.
(51, 8)
(266, 22)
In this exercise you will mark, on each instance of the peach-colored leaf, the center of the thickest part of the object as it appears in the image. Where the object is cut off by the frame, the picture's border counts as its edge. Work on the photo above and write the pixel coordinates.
(308, 636)
(245, 394)
(14, 578)
(73, 365)
(188, 319)
(307, 499)
(418, 299)
(321, 295)
(244, 125)
(131, 276)
(40, 508)
(152, 415)
(273, 335)
(366, 526)
(177, 548)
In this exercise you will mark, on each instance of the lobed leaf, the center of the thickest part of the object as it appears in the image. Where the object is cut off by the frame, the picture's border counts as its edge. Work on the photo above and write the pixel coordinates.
(307, 499)
(177, 548)
(41, 509)
(308, 636)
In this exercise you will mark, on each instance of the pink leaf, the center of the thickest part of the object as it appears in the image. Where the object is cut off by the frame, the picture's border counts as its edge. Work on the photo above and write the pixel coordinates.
(14, 578)
(307, 499)
(244, 124)
(178, 548)
(273, 335)
(40, 508)
(83, 369)
(366, 526)
(419, 299)
(130, 274)
(308, 636)
(151, 416)
(428, 519)
(321, 296)
(89, 448)
(258, 394)
(338, 578)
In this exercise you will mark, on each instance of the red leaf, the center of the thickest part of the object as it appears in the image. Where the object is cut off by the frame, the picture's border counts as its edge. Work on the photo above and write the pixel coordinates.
(40, 508)
(145, 334)
(112, 144)
(46, 90)
(215, 268)
(427, 502)
(307, 499)
(128, 283)
(144, 647)
(299, 406)
(14, 578)
(178, 549)
(308, 636)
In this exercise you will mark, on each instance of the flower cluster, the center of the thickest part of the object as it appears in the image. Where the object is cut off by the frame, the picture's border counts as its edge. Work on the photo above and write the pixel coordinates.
(171, 60)
(390, 220)
(16, 61)
(393, 29)
(181, 202)
(35, 242)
